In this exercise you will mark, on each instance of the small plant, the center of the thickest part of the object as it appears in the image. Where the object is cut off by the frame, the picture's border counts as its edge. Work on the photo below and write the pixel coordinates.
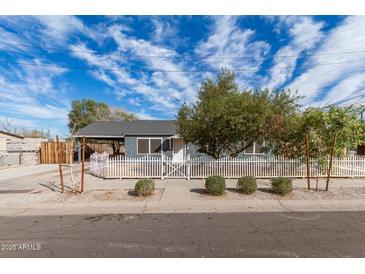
(215, 185)
(144, 187)
(247, 184)
(282, 185)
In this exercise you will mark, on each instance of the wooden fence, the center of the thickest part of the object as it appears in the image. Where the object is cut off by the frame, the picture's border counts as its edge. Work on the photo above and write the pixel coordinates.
(261, 167)
(48, 152)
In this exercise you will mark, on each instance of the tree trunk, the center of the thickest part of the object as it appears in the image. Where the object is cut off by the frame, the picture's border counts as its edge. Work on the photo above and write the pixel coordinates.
(308, 161)
(331, 159)
(115, 146)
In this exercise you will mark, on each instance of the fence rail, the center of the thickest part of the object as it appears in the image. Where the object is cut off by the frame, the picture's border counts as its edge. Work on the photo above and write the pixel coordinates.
(261, 167)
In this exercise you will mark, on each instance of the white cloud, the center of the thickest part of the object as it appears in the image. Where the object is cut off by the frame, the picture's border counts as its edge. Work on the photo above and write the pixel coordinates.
(349, 88)
(349, 36)
(134, 101)
(144, 116)
(231, 47)
(24, 91)
(304, 33)
(163, 30)
(60, 27)
(7, 37)
(16, 122)
(164, 88)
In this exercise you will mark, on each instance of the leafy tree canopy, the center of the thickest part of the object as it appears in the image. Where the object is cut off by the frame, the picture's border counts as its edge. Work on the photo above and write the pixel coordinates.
(86, 111)
(226, 121)
(321, 126)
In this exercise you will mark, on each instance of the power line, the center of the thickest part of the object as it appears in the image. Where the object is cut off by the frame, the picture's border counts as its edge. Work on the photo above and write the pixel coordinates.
(356, 102)
(173, 56)
(168, 71)
(346, 100)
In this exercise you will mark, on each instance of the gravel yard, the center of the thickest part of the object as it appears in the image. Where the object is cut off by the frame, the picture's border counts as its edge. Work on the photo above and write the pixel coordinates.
(114, 195)
(48, 197)
(338, 193)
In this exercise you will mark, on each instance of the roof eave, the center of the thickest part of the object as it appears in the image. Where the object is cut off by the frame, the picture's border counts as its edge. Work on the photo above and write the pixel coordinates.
(97, 136)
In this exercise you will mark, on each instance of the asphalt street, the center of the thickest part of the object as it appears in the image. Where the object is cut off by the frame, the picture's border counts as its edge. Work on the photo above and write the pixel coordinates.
(310, 234)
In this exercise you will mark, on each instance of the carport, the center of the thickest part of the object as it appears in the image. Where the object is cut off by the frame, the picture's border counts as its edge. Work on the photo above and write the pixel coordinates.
(101, 132)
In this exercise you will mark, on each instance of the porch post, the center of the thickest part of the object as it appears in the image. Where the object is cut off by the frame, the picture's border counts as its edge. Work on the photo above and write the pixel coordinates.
(78, 151)
(187, 162)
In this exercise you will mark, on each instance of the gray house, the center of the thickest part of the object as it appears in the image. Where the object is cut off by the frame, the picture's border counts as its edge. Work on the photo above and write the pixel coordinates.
(147, 137)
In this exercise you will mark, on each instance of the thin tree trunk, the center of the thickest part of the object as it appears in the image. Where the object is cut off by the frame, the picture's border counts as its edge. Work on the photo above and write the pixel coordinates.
(83, 164)
(331, 159)
(59, 160)
(306, 142)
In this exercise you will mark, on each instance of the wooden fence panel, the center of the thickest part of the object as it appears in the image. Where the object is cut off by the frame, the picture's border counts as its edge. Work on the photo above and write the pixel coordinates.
(49, 155)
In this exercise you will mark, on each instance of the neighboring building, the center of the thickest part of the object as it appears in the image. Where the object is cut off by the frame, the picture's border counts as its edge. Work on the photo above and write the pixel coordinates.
(148, 137)
(16, 149)
(5, 137)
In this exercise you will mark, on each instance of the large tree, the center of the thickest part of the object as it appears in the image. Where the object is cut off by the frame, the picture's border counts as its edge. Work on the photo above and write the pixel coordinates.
(225, 121)
(86, 111)
(321, 126)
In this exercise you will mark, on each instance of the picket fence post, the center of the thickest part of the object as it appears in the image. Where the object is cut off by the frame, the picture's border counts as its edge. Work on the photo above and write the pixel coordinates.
(162, 169)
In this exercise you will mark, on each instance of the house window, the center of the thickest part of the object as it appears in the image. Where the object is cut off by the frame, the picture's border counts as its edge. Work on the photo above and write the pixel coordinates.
(256, 148)
(155, 145)
(149, 145)
(143, 146)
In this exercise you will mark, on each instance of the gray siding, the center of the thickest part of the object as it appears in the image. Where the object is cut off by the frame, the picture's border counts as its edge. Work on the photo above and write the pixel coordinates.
(131, 148)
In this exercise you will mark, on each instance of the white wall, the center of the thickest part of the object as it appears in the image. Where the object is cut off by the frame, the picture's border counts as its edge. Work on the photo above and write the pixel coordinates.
(2, 144)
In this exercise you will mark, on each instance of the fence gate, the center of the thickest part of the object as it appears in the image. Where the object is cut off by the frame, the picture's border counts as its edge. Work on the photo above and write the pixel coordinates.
(175, 169)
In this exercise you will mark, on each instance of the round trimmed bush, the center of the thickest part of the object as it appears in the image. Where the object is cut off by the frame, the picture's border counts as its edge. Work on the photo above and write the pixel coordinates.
(247, 184)
(144, 187)
(215, 185)
(282, 185)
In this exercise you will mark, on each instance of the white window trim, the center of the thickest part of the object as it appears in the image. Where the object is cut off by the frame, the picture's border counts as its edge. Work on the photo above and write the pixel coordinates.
(149, 145)
(254, 150)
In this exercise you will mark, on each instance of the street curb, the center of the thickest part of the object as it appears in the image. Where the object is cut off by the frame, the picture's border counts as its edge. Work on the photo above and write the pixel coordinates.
(144, 206)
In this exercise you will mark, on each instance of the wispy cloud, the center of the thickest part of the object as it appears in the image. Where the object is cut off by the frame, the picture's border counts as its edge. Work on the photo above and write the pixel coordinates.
(313, 82)
(165, 90)
(304, 33)
(29, 91)
(19, 123)
(229, 46)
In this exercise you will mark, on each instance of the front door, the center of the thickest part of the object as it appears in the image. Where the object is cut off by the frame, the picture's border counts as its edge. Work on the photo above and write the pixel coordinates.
(178, 148)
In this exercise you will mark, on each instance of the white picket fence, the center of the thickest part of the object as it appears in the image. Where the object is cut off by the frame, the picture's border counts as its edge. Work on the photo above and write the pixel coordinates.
(261, 167)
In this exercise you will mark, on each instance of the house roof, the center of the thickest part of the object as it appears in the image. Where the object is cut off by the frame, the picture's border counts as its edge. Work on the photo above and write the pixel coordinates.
(11, 134)
(118, 129)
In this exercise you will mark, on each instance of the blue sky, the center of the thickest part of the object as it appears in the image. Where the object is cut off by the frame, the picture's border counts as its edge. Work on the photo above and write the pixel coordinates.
(150, 65)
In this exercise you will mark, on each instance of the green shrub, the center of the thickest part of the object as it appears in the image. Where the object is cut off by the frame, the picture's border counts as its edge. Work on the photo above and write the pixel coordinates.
(144, 187)
(282, 185)
(215, 185)
(247, 184)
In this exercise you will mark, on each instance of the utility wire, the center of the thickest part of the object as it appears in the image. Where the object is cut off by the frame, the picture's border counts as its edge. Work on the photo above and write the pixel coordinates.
(167, 71)
(357, 102)
(174, 56)
(347, 101)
